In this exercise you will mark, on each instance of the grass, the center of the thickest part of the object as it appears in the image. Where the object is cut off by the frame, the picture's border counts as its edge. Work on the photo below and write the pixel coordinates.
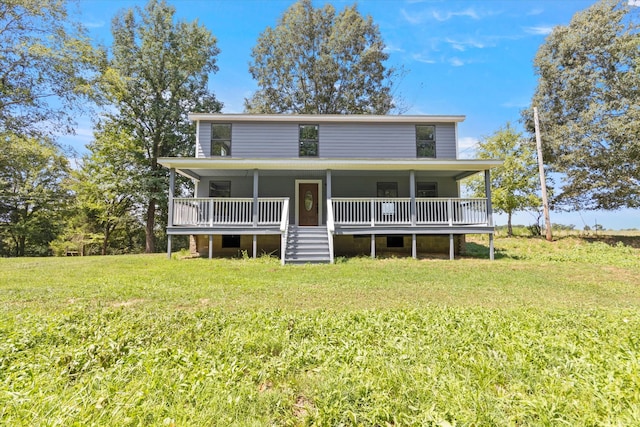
(547, 334)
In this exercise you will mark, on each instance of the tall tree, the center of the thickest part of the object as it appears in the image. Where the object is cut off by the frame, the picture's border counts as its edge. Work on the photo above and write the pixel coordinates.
(107, 185)
(48, 65)
(317, 62)
(33, 199)
(158, 73)
(515, 183)
(588, 95)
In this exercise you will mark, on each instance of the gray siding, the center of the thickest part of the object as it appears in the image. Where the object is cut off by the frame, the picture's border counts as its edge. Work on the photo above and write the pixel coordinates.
(366, 185)
(336, 140)
(367, 140)
(446, 141)
(349, 185)
(262, 140)
(241, 186)
(346, 185)
(203, 147)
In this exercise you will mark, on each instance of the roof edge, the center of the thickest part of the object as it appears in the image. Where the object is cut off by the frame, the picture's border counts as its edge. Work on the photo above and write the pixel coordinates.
(326, 118)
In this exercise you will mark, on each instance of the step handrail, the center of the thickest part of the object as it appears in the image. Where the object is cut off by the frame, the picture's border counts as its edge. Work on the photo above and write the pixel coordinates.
(284, 228)
(331, 227)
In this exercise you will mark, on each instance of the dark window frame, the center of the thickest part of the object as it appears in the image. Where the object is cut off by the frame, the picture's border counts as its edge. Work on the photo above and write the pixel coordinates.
(218, 142)
(425, 189)
(425, 146)
(384, 187)
(221, 184)
(308, 147)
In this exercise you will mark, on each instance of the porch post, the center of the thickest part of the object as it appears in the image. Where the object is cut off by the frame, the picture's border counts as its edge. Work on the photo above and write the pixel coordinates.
(373, 246)
(172, 182)
(210, 246)
(414, 246)
(255, 246)
(255, 198)
(412, 194)
(487, 191)
(328, 184)
(451, 247)
(255, 211)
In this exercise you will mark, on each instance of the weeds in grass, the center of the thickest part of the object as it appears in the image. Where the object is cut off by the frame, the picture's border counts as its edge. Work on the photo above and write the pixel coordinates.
(461, 366)
(548, 334)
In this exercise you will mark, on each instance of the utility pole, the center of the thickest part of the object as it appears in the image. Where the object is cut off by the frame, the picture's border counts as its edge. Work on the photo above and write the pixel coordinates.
(543, 181)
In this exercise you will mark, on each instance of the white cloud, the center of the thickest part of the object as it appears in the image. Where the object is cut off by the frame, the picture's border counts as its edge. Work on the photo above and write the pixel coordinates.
(98, 24)
(422, 58)
(85, 132)
(390, 48)
(456, 62)
(412, 19)
(634, 3)
(462, 45)
(445, 16)
(467, 147)
(415, 18)
(539, 31)
(534, 12)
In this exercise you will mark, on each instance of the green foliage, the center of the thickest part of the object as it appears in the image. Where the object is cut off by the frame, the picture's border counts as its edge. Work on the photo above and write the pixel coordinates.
(33, 198)
(546, 334)
(107, 186)
(515, 183)
(587, 95)
(317, 62)
(158, 73)
(48, 66)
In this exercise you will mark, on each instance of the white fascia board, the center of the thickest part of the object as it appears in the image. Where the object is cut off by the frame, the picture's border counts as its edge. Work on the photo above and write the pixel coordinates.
(194, 164)
(325, 118)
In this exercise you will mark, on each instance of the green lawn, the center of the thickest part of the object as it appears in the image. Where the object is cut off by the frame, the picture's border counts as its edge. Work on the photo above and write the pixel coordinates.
(547, 334)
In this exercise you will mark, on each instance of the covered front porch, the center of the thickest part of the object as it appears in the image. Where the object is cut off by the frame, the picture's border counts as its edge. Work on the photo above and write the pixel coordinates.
(337, 197)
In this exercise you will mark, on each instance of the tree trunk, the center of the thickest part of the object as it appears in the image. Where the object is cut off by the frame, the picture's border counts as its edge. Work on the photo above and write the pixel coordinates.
(151, 220)
(509, 227)
(105, 241)
(21, 245)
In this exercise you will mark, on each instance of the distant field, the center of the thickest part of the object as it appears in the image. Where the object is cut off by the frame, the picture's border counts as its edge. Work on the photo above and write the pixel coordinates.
(548, 333)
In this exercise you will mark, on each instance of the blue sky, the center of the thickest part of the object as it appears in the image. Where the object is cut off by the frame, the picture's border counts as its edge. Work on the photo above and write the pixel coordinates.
(460, 57)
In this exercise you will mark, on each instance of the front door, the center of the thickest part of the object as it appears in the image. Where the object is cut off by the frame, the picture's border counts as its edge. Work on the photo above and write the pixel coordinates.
(308, 204)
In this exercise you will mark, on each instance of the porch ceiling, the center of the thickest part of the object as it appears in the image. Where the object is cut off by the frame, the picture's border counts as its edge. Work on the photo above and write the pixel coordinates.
(198, 167)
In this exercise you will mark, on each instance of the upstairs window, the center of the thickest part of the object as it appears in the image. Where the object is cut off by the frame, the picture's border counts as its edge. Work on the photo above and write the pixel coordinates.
(221, 139)
(308, 141)
(426, 141)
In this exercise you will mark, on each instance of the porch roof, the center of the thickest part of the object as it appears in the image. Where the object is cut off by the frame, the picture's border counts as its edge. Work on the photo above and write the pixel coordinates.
(195, 168)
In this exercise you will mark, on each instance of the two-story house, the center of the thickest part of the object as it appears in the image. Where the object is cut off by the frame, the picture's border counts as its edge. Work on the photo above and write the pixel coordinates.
(312, 187)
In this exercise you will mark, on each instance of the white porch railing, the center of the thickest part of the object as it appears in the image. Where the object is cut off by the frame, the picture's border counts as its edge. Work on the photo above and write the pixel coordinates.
(398, 211)
(207, 211)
